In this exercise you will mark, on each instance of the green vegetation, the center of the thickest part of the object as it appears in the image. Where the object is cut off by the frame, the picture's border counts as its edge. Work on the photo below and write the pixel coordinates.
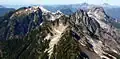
(31, 47)
(67, 48)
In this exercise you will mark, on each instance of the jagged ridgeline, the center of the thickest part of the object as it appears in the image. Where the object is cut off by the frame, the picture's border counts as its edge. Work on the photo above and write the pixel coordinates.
(36, 45)
(36, 33)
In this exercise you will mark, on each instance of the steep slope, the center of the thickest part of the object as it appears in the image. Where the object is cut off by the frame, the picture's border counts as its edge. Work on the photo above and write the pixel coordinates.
(17, 24)
(113, 12)
(82, 35)
(100, 13)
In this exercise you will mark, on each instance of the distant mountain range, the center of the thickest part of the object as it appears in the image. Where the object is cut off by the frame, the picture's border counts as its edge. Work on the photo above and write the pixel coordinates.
(1, 6)
(4, 10)
(111, 10)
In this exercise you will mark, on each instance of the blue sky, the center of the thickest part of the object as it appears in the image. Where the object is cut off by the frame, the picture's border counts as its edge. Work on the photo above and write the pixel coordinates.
(52, 2)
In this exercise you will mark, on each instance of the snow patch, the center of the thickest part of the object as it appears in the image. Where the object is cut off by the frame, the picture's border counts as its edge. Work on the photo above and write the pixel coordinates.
(52, 18)
(58, 11)
(43, 9)
(47, 37)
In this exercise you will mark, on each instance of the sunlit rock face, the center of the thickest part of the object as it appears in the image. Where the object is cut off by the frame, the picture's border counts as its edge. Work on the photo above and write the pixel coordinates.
(47, 35)
(98, 12)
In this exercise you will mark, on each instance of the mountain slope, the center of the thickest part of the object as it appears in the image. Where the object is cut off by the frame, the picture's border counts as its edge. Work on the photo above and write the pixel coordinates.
(4, 10)
(18, 23)
(82, 35)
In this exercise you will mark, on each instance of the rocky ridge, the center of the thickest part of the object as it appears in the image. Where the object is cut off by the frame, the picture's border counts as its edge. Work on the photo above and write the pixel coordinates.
(82, 35)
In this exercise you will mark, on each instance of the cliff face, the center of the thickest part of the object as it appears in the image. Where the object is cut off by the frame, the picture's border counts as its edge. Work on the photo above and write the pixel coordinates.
(35, 33)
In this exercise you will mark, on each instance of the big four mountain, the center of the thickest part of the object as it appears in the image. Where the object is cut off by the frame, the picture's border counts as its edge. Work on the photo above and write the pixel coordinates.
(68, 33)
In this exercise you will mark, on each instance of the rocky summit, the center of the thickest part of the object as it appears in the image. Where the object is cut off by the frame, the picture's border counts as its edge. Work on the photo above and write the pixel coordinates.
(36, 33)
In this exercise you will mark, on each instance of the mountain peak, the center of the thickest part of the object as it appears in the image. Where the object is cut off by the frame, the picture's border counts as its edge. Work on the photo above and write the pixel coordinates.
(84, 4)
(106, 4)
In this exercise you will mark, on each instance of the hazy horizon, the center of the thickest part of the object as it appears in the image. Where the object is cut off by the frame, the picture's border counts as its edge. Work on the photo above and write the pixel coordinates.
(57, 2)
